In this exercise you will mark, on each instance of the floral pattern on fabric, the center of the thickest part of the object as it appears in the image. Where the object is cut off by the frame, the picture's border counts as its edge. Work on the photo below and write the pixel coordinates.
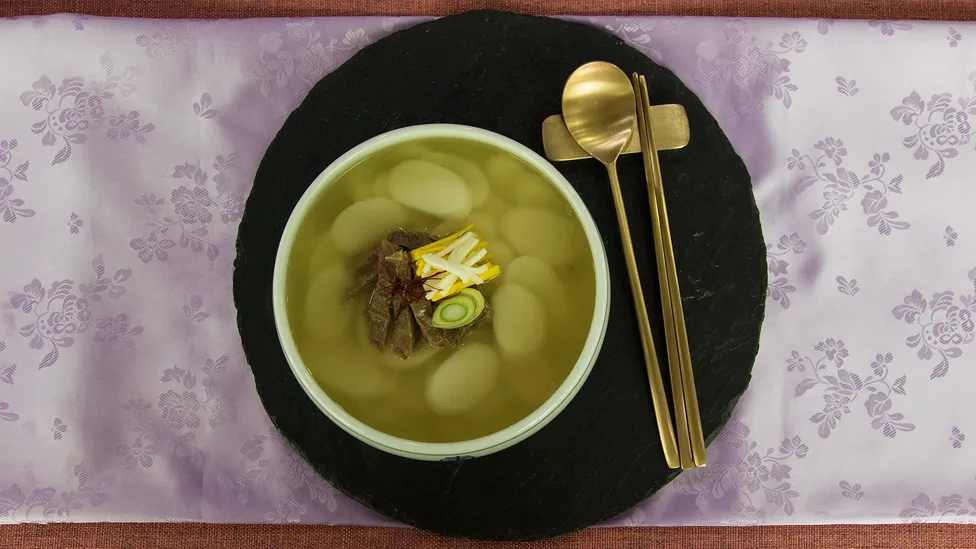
(76, 107)
(841, 185)
(60, 312)
(123, 176)
(940, 125)
(842, 388)
(945, 324)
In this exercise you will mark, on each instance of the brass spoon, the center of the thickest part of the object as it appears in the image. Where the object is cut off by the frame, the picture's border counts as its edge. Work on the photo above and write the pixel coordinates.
(599, 108)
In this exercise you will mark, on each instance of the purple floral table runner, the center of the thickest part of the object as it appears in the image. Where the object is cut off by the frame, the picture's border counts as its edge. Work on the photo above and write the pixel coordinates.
(127, 148)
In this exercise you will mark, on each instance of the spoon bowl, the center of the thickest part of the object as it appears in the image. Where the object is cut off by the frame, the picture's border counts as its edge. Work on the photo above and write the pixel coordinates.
(600, 109)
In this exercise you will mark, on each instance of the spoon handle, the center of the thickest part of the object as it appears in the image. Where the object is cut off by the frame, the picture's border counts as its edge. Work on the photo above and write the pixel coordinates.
(661, 412)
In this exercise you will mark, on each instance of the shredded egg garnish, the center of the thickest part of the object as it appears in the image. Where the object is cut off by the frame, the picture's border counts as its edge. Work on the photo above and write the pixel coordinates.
(454, 263)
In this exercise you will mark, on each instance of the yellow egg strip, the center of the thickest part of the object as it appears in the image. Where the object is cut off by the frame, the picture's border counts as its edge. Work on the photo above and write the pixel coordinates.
(470, 255)
(435, 247)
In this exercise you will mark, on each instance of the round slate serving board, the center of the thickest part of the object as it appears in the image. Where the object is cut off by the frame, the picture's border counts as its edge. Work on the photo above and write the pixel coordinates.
(602, 454)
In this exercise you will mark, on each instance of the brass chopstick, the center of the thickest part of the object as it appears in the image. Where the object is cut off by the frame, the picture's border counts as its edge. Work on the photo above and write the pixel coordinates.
(687, 413)
(671, 338)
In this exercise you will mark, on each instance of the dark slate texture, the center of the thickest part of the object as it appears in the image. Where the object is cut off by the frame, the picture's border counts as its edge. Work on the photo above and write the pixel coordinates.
(602, 455)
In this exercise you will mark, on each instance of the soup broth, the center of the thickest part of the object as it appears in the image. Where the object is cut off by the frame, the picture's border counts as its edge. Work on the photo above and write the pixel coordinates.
(541, 304)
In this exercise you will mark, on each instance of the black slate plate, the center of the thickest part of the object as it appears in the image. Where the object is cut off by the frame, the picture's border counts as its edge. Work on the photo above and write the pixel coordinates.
(601, 455)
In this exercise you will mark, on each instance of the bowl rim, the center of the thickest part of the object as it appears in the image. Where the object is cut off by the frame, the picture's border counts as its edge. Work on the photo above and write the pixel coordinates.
(498, 440)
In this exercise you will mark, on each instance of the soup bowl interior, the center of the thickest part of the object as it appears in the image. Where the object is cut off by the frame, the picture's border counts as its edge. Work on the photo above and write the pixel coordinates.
(287, 258)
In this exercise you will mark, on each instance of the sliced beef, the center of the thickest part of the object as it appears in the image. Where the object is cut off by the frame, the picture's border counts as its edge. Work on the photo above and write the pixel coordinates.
(380, 315)
(381, 302)
(485, 318)
(423, 313)
(364, 281)
(455, 338)
(397, 298)
(402, 265)
(404, 328)
(366, 261)
(365, 269)
(410, 240)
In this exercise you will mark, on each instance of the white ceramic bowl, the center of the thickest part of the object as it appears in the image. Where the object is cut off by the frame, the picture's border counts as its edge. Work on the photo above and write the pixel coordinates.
(469, 448)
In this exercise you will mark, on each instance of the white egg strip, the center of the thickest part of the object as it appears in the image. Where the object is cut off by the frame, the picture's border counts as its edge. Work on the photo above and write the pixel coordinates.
(454, 245)
(468, 243)
(475, 257)
(463, 272)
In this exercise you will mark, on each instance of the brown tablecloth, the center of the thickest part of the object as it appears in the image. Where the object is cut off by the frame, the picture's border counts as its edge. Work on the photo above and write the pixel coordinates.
(835, 9)
(208, 536)
(211, 536)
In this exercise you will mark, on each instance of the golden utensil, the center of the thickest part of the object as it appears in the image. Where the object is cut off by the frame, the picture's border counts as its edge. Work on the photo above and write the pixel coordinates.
(687, 414)
(671, 131)
(647, 139)
(599, 110)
